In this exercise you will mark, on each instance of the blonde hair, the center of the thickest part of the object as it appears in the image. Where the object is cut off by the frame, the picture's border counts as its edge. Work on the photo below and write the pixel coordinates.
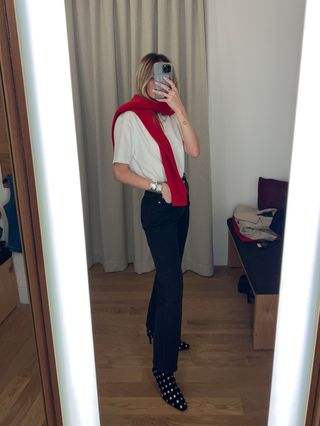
(145, 72)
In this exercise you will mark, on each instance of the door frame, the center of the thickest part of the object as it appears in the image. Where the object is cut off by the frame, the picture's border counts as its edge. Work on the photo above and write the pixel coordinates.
(313, 411)
(22, 167)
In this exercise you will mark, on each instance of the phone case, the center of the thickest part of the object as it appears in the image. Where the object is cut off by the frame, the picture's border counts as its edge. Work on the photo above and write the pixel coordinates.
(160, 70)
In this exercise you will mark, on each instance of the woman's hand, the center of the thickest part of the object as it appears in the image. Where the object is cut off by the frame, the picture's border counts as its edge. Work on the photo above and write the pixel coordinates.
(166, 193)
(171, 97)
(190, 139)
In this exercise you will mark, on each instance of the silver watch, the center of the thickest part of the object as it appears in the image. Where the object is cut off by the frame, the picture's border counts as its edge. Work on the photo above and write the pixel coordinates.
(155, 187)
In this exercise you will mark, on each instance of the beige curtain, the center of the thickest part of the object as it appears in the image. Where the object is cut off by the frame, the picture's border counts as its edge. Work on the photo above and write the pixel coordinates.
(107, 39)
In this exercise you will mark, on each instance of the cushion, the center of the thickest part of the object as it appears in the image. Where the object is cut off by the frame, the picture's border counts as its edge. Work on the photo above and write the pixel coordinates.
(272, 193)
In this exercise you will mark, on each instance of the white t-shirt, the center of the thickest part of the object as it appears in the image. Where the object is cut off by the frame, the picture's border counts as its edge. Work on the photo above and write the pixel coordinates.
(134, 145)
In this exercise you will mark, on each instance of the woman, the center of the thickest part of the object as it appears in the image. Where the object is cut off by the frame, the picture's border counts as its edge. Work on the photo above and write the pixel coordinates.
(150, 138)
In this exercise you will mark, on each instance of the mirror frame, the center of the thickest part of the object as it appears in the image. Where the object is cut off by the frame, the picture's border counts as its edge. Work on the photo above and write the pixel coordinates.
(21, 157)
(22, 167)
(313, 411)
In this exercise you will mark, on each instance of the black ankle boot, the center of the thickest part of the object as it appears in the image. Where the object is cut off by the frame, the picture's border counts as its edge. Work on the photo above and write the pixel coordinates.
(170, 391)
(183, 346)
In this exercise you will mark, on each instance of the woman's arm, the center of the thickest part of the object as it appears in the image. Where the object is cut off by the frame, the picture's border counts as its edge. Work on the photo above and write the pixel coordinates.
(189, 136)
(123, 174)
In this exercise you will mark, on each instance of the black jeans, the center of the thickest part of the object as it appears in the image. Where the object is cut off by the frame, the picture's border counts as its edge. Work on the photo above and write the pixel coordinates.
(166, 229)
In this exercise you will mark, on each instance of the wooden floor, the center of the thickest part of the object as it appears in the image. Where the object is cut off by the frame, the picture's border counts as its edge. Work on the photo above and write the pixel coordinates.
(20, 389)
(225, 382)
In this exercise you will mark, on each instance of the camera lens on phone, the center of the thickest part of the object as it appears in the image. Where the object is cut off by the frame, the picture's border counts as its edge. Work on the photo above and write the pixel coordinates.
(166, 68)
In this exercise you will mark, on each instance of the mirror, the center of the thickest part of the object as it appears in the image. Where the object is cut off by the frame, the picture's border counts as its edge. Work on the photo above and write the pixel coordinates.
(251, 131)
(20, 384)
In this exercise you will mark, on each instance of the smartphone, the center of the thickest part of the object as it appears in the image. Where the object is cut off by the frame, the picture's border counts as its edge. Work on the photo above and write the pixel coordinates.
(160, 70)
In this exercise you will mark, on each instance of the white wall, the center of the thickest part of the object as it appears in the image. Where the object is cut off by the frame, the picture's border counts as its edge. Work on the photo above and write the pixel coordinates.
(253, 68)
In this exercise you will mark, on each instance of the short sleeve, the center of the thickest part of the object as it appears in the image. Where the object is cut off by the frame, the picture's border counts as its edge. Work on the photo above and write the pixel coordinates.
(123, 140)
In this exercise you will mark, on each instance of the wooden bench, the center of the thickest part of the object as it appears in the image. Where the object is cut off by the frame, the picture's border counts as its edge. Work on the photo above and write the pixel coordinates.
(262, 267)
